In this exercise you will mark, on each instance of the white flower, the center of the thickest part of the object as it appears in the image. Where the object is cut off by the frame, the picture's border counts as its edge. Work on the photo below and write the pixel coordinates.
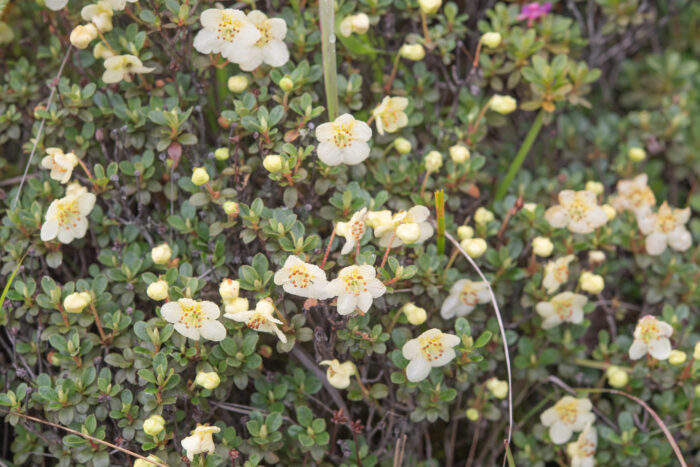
(145, 463)
(352, 230)
(433, 161)
(66, 217)
(61, 164)
(463, 298)
(567, 415)
(157, 290)
(483, 216)
(194, 319)
(200, 441)
(120, 4)
(100, 14)
(582, 451)
(665, 228)
(542, 246)
(566, 307)
(651, 336)
(229, 289)
(577, 210)
(503, 104)
(343, 141)
(122, 68)
(358, 24)
(634, 195)
(431, 349)
(459, 153)
(591, 283)
(390, 115)
(208, 380)
(260, 319)
(227, 32)
(101, 51)
(55, 5)
(379, 218)
(153, 425)
(475, 247)
(302, 279)
(161, 254)
(385, 229)
(76, 302)
(339, 374)
(556, 273)
(270, 48)
(356, 287)
(414, 314)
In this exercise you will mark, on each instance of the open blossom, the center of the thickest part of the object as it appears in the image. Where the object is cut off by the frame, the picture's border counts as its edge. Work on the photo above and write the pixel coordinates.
(339, 374)
(582, 451)
(343, 141)
(66, 217)
(556, 273)
(634, 195)
(566, 307)
(55, 5)
(100, 14)
(228, 32)
(60, 164)
(390, 115)
(665, 228)
(302, 279)
(200, 441)
(577, 210)
(195, 319)
(270, 48)
(431, 349)
(417, 215)
(533, 11)
(260, 319)
(122, 68)
(356, 287)
(651, 336)
(463, 298)
(352, 230)
(567, 416)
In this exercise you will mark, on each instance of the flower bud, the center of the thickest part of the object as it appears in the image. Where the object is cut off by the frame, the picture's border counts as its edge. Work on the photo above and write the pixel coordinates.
(229, 289)
(200, 176)
(221, 154)
(237, 83)
(230, 208)
(208, 380)
(154, 425)
(157, 290)
(464, 231)
(609, 211)
(474, 247)
(272, 163)
(286, 84)
(617, 377)
(596, 257)
(483, 216)
(81, 36)
(636, 154)
(696, 351)
(697, 391)
(459, 153)
(429, 6)
(498, 388)
(414, 314)
(237, 305)
(530, 207)
(503, 104)
(402, 145)
(677, 357)
(472, 414)
(491, 39)
(595, 187)
(100, 51)
(433, 161)
(591, 283)
(542, 246)
(408, 233)
(414, 52)
(76, 302)
(144, 463)
(161, 254)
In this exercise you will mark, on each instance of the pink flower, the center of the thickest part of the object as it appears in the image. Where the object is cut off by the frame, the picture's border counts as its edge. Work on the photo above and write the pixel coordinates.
(533, 11)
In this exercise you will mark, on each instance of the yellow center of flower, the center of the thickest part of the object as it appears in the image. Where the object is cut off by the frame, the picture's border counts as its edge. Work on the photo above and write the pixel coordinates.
(585, 448)
(563, 309)
(432, 347)
(57, 167)
(342, 134)
(567, 411)
(68, 213)
(578, 209)
(649, 330)
(355, 283)
(299, 276)
(357, 229)
(468, 296)
(561, 273)
(666, 221)
(641, 197)
(257, 320)
(228, 28)
(265, 34)
(192, 315)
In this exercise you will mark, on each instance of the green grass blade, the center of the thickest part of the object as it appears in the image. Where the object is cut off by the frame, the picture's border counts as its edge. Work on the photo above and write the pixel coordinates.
(3, 314)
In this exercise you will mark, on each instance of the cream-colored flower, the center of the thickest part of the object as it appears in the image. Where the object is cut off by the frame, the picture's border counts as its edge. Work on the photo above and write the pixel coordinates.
(459, 153)
(475, 247)
(591, 283)
(636, 154)
(376, 219)
(594, 187)
(122, 68)
(237, 83)
(634, 195)
(556, 273)
(272, 163)
(430, 350)
(343, 141)
(433, 161)
(463, 298)
(60, 164)
(228, 32)
(270, 49)
(617, 377)
(483, 216)
(491, 39)
(414, 314)
(596, 257)
(200, 176)
(503, 104)
(229, 289)
(66, 218)
(542, 246)
(236, 305)
(208, 380)
(582, 451)
(302, 279)
(665, 228)
(100, 14)
(200, 441)
(464, 232)
(402, 145)
(55, 5)
(567, 416)
(414, 52)
(385, 230)
(161, 254)
(82, 35)
(153, 425)
(677, 357)
(260, 319)
(651, 337)
(195, 319)
(101, 51)
(352, 230)
(577, 210)
(566, 307)
(157, 290)
(498, 388)
(408, 233)
(145, 463)
(356, 287)
(390, 115)
(339, 374)
(429, 6)
(76, 302)
(357, 24)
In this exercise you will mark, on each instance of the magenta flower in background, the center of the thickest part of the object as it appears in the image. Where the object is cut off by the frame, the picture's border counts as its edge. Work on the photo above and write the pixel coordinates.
(533, 11)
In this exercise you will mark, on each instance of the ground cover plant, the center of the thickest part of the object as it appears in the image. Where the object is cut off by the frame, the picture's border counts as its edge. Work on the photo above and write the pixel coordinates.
(351, 233)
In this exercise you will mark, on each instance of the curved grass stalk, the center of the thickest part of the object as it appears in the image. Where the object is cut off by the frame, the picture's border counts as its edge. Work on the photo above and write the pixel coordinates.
(330, 73)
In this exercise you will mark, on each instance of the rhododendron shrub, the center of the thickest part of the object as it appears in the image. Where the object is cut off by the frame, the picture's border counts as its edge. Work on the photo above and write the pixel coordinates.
(352, 233)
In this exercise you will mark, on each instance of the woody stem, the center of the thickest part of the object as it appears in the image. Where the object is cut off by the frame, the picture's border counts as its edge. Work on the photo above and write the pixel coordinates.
(86, 170)
(63, 314)
(328, 248)
(424, 23)
(394, 70)
(104, 39)
(388, 247)
(393, 322)
(425, 181)
(98, 323)
(285, 323)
